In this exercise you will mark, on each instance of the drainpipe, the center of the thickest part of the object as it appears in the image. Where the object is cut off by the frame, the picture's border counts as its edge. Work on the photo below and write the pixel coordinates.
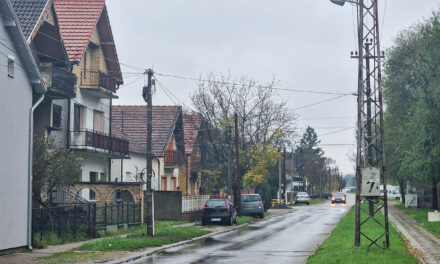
(31, 150)
(158, 173)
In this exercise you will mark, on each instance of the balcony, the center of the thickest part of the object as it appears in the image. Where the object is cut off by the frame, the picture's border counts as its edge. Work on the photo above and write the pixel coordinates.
(59, 81)
(98, 141)
(173, 158)
(99, 84)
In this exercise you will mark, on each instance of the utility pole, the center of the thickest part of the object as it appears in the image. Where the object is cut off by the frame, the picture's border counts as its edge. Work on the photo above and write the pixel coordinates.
(279, 180)
(329, 171)
(284, 176)
(150, 196)
(229, 143)
(237, 168)
(370, 126)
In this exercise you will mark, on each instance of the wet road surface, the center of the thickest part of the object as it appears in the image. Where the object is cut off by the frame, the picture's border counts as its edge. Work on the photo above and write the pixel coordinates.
(288, 238)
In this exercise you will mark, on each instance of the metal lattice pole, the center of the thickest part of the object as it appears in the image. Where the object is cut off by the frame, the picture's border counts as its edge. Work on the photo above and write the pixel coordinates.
(370, 133)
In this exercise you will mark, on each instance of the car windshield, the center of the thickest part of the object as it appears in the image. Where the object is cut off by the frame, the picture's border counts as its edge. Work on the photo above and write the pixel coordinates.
(303, 193)
(339, 195)
(215, 203)
(250, 198)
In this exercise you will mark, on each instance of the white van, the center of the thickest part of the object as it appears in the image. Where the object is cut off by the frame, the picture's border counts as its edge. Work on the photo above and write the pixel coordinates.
(393, 192)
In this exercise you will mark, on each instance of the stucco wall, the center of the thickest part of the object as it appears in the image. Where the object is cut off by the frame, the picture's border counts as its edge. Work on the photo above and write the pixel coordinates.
(15, 102)
(129, 168)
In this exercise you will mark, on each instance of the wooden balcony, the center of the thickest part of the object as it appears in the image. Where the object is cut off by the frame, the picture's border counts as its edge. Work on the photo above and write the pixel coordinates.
(97, 141)
(59, 81)
(173, 158)
(98, 83)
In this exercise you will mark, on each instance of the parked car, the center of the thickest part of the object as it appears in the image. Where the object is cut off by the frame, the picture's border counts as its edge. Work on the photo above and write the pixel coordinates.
(219, 211)
(393, 192)
(251, 204)
(302, 197)
(339, 198)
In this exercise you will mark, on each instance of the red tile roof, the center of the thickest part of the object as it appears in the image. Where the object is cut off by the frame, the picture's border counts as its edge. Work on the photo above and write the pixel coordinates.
(77, 19)
(132, 120)
(191, 128)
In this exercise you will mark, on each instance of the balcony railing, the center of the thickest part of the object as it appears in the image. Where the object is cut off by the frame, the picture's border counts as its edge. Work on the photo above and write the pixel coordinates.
(89, 139)
(59, 81)
(173, 158)
(97, 79)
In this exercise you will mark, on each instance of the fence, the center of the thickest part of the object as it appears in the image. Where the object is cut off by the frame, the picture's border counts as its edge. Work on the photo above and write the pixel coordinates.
(193, 203)
(82, 220)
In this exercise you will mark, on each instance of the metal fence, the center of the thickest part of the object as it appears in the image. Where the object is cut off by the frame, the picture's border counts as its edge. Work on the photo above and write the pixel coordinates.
(82, 220)
(193, 203)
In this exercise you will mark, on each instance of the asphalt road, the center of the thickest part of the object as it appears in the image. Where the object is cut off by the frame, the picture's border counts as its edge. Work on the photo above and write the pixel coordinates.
(288, 238)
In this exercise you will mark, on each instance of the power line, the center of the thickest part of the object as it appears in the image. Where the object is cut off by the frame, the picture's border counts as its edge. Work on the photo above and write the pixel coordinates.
(253, 86)
(320, 102)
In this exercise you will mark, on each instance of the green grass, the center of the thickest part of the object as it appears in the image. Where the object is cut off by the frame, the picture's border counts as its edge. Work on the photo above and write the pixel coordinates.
(69, 257)
(244, 219)
(136, 239)
(338, 248)
(421, 217)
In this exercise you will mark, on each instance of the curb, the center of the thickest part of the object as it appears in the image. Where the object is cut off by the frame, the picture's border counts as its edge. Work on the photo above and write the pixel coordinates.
(151, 251)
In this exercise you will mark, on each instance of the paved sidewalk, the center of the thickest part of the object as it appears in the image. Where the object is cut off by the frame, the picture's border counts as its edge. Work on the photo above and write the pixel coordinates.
(422, 240)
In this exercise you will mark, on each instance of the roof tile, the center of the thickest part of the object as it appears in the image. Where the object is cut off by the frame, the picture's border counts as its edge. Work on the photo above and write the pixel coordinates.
(191, 128)
(28, 13)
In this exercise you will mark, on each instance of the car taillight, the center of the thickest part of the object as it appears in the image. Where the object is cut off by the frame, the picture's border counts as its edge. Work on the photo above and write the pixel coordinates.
(227, 205)
(260, 203)
(333, 198)
(203, 207)
(343, 198)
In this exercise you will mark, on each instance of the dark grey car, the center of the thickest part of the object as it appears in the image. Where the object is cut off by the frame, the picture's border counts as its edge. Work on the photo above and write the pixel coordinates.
(251, 204)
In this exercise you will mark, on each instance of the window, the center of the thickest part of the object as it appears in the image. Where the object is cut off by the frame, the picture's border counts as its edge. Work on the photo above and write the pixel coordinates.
(78, 116)
(93, 176)
(56, 115)
(11, 65)
(102, 177)
(92, 195)
(97, 121)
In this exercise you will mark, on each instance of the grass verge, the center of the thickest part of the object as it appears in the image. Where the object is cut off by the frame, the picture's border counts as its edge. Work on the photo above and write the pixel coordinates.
(421, 217)
(70, 257)
(338, 248)
(136, 239)
(244, 219)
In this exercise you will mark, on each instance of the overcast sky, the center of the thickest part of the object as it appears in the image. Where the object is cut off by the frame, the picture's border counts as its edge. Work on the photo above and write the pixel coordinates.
(305, 44)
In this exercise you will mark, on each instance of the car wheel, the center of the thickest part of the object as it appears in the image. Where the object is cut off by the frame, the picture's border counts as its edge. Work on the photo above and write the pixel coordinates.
(308, 203)
(262, 215)
(203, 223)
(231, 220)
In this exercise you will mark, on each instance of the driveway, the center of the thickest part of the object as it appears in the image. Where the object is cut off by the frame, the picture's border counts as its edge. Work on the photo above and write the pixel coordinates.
(288, 238)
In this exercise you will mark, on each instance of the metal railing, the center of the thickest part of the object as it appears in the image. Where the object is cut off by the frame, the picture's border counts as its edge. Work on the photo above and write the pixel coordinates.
(59, 80)
(173, 158)
(63, 195)
(98, 79)
(98, 140)
(193, 203)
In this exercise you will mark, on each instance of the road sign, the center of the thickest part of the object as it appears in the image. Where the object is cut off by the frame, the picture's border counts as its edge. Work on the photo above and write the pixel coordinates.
(370, 182)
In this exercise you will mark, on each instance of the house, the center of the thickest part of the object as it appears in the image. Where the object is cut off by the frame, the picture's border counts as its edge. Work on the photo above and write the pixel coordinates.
(167, 145)
(191, 177)
(23, 90)
(39, 22)
(86, 32)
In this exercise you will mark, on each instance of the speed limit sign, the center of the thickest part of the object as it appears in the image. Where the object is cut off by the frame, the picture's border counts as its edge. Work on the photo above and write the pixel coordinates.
(370, 182)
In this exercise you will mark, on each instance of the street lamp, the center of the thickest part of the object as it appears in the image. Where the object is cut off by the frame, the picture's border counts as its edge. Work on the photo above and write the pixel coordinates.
(342, 2)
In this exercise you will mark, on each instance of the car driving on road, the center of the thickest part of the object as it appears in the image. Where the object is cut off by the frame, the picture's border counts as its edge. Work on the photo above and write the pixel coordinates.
(219, 211)
(251, 204)
(302, 197)
(339, 198)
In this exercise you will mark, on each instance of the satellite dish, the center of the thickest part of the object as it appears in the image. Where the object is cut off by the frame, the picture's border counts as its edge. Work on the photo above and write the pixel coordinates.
(338, 2)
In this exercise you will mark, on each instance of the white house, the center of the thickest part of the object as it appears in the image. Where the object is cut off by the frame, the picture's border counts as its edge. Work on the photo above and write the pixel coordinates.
(22, 91)
(167, 145)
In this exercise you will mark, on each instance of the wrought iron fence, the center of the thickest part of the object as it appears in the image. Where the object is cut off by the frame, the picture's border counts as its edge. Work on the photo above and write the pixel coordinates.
(83, 220)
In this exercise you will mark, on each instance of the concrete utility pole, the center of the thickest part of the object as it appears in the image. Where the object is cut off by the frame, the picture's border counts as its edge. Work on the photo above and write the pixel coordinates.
(229, 142)
(279, 180)
(150, 196)
(237, 168)
(284, 196)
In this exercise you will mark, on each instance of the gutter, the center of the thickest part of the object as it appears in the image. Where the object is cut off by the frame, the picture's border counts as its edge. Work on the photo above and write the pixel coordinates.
(30, 157)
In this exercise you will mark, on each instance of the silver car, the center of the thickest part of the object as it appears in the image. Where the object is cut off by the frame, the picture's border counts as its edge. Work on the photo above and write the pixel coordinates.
(302, 197)
(251, 204)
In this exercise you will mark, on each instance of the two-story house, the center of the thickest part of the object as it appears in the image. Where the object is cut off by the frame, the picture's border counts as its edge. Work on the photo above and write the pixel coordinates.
(167, 145)
(85, 29)
(191, 177)
(22, 92)
(39, 22)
